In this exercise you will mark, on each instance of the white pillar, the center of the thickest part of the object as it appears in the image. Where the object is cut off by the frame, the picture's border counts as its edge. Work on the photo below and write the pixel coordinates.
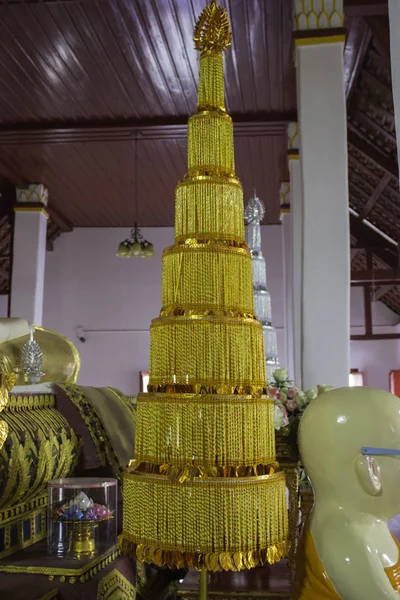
(287, 236)
(394, 22)
(29, 254)
(323, 150)
(296, 208)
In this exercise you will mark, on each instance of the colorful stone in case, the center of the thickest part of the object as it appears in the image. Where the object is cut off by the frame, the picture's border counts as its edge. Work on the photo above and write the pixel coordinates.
(74, 512)
(101, 511)
(90, 514)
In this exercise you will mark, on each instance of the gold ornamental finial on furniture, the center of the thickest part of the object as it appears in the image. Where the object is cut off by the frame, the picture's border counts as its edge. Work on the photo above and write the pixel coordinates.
(212, 32)
(7, 383)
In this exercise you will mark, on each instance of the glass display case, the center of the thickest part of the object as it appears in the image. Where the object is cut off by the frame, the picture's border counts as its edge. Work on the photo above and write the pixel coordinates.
(82, 516)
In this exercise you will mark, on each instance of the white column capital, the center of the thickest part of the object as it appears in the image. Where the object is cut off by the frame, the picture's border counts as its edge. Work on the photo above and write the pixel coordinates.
(34, 198)
(293, 140)
(312, 15)
(29, 254)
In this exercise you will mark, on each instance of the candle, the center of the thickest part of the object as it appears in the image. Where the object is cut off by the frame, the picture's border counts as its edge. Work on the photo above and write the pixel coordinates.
(31, 334)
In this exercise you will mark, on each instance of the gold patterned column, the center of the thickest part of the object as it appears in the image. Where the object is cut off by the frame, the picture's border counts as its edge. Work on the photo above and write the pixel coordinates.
(204, 488)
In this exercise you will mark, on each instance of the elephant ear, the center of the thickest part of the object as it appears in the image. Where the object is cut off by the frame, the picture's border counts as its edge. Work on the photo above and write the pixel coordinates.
(3, 433)
(7, 383)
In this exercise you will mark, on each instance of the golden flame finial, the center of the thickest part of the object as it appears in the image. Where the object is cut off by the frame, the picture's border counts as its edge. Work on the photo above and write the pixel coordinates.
(212, 32)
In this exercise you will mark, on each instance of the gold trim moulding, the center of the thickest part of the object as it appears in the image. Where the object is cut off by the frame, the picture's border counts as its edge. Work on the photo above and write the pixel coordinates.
(19, 403)
(206, 246)
(88, 570)
(239, 321)
(196, 239)
(210, 173)
(194, 595)
(214, 111)
(184, 472)
(34, 208)
(205, 311)
(275, 478)
(202, 398)
(209, 388)
(22, 511)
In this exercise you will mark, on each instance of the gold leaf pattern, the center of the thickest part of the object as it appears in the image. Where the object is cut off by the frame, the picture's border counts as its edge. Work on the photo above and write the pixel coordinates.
(212, 31)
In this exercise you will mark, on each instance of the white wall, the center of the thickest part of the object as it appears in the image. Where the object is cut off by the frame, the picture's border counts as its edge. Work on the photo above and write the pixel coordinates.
(374, 358)
(87, 285)
(3, 307)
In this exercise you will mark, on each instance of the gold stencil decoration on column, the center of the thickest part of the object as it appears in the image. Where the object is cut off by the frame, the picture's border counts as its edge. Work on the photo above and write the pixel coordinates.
(204, 488)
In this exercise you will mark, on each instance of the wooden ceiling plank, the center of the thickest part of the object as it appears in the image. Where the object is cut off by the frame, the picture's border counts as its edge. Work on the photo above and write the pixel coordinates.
(376, 194)
(36, 71)
(99, 57)
(363, 8)
(372, 153)
(59, 73)
(161, 73)
(58, 26)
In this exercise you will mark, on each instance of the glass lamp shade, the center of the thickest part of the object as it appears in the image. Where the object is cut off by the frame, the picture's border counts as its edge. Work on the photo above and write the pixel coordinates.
(136, 249)
(124, 249)
(149, 251)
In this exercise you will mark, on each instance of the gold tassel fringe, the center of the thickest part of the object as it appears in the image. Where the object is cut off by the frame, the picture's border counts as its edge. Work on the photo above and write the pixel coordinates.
(201, 350)
(222, 561)
(244, 514)
(208, 277)
(204, 430)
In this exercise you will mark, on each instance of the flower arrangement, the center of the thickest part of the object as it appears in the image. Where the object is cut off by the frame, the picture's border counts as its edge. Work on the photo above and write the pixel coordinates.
(290, 404)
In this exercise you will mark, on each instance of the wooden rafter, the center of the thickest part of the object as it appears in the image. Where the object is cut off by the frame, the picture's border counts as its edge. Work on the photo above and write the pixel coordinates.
(376, 194)
(156, 129)
(379, 26)
(368, 238)
(374, 125)
(382, 291)
(376, 276)
(384, 162)
(59, 219)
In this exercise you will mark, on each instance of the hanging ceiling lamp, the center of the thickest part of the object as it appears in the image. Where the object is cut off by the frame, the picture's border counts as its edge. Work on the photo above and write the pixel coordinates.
(135, 244)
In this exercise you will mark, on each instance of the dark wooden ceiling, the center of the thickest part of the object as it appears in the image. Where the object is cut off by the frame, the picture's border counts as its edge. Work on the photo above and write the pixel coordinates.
(85, 81)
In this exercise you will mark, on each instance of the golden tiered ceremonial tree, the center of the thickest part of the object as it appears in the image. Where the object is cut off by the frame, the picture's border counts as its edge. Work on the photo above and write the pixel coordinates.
(204, 488)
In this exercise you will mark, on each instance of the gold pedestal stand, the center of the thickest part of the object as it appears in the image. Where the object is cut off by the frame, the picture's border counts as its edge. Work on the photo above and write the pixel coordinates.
(203, 577)
(82, 541)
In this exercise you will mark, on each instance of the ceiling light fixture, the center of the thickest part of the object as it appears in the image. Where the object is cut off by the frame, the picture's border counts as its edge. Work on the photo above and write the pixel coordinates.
(135, 244)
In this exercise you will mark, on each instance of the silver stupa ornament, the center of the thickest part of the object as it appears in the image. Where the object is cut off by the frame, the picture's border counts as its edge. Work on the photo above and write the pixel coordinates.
(254, 214)
(31, 360)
